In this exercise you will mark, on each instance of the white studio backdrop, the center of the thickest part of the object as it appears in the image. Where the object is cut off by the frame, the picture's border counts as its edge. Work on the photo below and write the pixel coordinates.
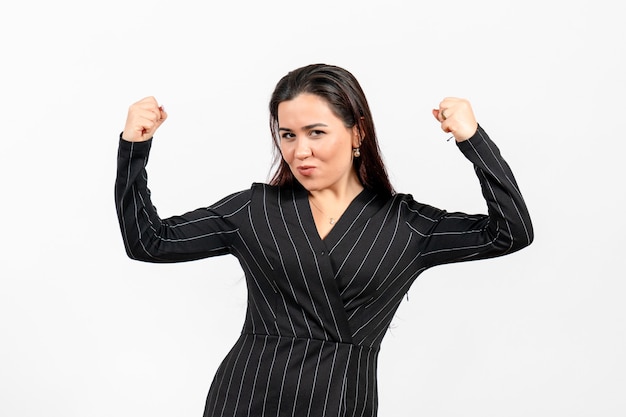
(84, 331)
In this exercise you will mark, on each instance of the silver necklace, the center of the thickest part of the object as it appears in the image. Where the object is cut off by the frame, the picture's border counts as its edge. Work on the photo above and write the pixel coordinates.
(332, 219)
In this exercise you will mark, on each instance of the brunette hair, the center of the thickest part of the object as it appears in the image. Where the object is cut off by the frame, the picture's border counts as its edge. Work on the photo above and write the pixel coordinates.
(346, 99)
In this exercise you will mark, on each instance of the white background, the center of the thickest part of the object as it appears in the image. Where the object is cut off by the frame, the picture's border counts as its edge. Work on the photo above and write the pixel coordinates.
(84, 331)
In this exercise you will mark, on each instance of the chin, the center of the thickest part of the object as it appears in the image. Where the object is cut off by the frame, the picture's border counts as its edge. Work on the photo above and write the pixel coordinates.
(310, 185)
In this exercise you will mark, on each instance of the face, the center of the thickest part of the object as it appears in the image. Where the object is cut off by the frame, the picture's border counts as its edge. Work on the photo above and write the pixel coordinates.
(316, 144)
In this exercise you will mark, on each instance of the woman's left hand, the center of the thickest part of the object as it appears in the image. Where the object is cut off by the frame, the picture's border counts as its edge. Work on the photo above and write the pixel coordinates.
(456, 117)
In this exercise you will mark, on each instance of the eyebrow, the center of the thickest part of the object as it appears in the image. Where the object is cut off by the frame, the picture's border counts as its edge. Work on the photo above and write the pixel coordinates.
(307, 127)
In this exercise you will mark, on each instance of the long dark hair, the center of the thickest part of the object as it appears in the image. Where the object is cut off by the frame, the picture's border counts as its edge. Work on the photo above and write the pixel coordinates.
(346, 99)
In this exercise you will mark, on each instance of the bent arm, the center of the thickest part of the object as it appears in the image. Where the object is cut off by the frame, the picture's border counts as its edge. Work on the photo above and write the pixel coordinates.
(505, 229)
(197, 234)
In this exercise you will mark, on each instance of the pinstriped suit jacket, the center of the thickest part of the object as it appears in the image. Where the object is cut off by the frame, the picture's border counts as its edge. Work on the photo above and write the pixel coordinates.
(317, 309)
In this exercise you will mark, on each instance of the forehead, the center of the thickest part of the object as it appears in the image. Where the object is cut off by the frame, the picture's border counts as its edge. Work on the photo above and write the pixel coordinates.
(305, 109)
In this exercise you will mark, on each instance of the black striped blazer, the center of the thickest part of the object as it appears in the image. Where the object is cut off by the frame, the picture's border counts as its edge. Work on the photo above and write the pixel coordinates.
(317, 308)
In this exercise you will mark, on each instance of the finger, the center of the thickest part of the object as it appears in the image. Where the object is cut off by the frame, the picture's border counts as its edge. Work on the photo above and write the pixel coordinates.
(441, 114)
(151, 110)
(147, 104)
(449, 101)
(151, 120)
(149, 101)
(162, 117)
(146, 124)
(163, 113)
(444, 114)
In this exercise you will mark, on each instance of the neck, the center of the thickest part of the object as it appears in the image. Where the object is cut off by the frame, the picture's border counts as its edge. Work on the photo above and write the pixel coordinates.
(338, 193)
(331, 203)
(326, 199)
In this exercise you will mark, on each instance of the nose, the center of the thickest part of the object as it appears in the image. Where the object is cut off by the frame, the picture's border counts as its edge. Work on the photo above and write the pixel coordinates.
(303, 150)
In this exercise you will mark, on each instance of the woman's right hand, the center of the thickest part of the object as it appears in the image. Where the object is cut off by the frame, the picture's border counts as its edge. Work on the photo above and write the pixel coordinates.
(144, 118)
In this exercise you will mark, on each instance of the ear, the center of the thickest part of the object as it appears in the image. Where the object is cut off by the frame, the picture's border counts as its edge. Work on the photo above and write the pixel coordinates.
(356, 137)
(357, 133)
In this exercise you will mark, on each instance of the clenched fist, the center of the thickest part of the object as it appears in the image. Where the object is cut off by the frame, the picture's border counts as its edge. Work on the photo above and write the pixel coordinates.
(144, 118)
(456, 117)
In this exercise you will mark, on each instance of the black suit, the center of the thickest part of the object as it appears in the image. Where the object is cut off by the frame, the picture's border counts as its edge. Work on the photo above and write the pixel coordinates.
(318, 309)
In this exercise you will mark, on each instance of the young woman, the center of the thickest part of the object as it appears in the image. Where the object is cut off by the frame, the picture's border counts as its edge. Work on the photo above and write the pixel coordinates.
(328, 247)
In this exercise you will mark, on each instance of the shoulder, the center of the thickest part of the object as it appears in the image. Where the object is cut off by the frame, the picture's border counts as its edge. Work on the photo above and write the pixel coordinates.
(409, 208)
(240, 201)
(267, 192)
(257, 188)
(262, 187)
(263, 191)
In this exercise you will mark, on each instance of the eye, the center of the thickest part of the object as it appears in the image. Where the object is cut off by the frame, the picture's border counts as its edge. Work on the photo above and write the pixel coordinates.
(287, 135)
(315, 133)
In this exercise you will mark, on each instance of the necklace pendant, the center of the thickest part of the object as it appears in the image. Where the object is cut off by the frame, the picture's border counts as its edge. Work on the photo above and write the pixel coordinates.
(332, 221)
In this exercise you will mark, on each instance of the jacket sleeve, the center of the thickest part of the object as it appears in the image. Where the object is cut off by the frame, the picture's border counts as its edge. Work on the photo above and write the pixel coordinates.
(194, 235)
(453, 237)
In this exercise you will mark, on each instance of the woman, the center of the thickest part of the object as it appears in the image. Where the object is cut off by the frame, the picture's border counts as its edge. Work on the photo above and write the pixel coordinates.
(328, 247)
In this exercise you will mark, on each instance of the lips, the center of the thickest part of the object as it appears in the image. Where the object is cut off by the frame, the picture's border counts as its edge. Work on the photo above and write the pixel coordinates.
(306, 170)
